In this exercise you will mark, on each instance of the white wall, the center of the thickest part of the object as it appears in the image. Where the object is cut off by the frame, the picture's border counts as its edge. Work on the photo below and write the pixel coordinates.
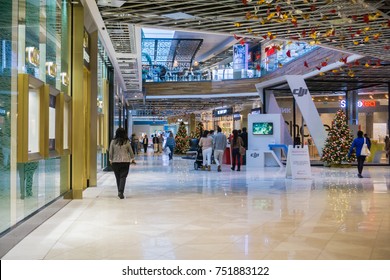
(261, 142)
(146, 128)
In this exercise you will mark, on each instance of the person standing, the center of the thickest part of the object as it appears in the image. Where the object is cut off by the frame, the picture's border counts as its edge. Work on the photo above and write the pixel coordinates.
(244, 136)
(171, 144)
(145, 142)
(121, 154)
(387, 146)
(160, 142)
(134, 143)
(357, 144)
(206, 142)
(219, 147)
(236, 144)
(212, 134)
(155, 143)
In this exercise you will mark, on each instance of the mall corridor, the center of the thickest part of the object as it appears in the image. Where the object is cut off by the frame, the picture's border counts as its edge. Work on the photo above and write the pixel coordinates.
(172, 211)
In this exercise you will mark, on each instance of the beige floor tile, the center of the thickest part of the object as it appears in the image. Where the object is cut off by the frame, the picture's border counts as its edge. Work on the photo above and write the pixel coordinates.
(173, 212)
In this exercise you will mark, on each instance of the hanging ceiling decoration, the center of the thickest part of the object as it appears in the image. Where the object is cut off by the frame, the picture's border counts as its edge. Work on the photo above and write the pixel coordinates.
(352, 26)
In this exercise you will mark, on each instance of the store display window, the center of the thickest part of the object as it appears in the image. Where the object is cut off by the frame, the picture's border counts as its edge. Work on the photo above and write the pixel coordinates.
(54, 122)
(31, 118)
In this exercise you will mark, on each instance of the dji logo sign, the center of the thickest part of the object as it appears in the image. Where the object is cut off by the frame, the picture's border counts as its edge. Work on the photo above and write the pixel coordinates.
(300, 91)
(255, 155)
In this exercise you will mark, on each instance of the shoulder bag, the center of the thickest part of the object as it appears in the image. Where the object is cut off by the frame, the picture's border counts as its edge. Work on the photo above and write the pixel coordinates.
(365, 150)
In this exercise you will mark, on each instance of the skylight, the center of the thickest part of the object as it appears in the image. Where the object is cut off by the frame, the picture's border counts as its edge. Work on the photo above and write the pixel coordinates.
(158, 33)
(178, 16)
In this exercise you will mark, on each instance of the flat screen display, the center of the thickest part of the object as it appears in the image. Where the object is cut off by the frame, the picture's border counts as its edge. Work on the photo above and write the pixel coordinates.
(263, 128)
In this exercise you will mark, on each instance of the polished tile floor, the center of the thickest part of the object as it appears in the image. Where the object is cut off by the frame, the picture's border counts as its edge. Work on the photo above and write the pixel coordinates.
(172, 211)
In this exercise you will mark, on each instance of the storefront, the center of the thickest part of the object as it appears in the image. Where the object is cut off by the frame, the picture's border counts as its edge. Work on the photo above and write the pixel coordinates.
(53, 112)
(372, 117)
(34, 106)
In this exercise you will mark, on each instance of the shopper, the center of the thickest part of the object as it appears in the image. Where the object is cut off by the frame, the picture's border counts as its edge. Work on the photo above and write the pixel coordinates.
(244, 136)
(235, 146)
(121, 154)
(134, 143)
(171, 144)
(219, 147)
(387, 146)
(212, 134)
(206, 143)
(357, 144)
(155, 143)
(145, 142)
(160, 142)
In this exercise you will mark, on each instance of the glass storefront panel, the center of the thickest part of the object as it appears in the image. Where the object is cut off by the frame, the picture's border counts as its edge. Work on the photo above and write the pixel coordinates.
(102, 109)
(6, 116)
(40, 48)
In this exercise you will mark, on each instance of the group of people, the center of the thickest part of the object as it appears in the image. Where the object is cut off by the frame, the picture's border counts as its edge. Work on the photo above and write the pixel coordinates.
(211, 142)
(121, 153)
(158, 141)
(143, 142)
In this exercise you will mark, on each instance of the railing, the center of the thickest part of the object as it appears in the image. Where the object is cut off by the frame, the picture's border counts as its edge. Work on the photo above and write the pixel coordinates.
(160, 73)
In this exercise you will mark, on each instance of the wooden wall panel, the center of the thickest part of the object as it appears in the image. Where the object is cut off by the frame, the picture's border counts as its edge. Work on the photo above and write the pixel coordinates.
(296, 67)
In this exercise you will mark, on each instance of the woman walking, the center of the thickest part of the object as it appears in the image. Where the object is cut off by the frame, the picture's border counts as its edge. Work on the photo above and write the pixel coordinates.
(171, 144)
(236, 144)
(121, 154)
(357, 144)
(206, 142)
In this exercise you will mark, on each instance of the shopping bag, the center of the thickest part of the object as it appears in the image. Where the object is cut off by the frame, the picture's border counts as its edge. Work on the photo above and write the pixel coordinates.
(365, 150)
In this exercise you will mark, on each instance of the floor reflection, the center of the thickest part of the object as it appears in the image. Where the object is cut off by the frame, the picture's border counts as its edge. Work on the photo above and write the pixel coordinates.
(173, 211)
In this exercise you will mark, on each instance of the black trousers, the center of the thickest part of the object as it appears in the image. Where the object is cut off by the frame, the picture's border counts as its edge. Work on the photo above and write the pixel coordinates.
(121, 169)
(360, 162)
(236, 157)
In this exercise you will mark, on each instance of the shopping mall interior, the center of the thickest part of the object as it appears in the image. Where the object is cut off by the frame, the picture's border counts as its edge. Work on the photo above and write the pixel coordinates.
(301, 76)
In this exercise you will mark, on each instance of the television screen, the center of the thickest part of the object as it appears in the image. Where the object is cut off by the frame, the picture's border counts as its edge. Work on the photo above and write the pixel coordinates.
(263, 128)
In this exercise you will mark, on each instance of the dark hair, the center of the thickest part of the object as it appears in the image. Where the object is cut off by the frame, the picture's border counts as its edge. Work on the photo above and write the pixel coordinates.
(360, 133)
(120, 136)
(244, 129)
(205, 133)
(235, 136)
(219, 129)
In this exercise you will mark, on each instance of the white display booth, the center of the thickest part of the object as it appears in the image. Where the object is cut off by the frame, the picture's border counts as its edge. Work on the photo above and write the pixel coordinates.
(263, 130)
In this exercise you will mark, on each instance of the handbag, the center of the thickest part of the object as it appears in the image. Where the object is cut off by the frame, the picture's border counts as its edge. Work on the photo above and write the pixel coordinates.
(365, 150)
(242, 151)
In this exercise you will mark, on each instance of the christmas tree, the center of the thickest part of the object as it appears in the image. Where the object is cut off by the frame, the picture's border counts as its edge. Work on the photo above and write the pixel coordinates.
(182, 140)
(338, 142)
(199, 130)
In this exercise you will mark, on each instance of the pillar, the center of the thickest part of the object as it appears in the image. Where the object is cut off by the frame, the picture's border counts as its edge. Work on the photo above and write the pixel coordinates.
(352, 108)
(78, 181)
(93, 110)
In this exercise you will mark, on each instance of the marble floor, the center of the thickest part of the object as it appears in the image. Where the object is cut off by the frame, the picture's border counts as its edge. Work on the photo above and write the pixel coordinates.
(172, 211)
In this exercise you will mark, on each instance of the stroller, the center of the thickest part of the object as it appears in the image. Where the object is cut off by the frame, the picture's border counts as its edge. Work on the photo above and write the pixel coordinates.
(198, 159)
